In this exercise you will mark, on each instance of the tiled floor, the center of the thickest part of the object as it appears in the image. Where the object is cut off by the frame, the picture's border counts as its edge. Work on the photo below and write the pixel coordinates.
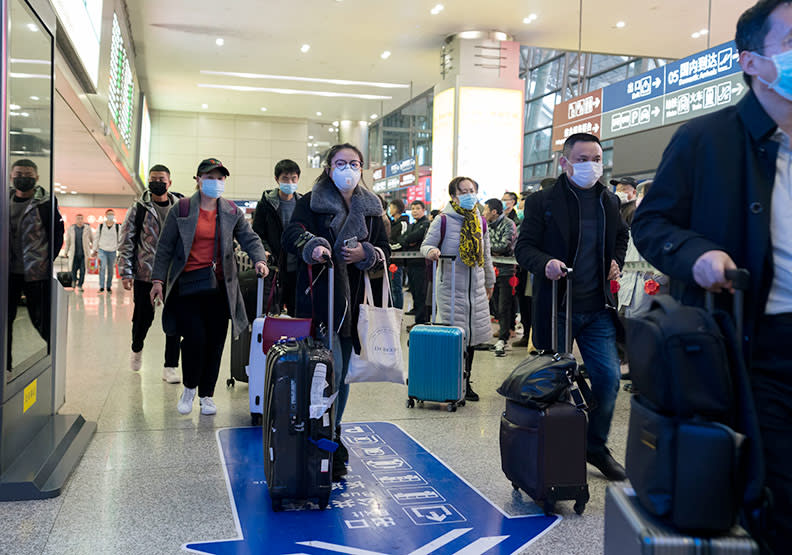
(151, 479)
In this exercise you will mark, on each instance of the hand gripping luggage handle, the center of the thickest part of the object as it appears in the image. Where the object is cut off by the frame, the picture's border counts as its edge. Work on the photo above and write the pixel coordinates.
(452, 258)
(741, 280)
(568, 320)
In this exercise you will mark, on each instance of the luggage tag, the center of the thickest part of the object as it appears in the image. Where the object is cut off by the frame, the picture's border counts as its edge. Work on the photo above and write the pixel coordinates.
(319, 403)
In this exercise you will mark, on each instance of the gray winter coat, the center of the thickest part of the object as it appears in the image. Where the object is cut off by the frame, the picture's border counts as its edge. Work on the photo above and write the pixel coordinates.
(471, 310)
(174, 248)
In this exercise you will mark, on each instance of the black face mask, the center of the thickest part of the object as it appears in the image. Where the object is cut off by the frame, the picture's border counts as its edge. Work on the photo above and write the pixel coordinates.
(158, 188)
(24, 184)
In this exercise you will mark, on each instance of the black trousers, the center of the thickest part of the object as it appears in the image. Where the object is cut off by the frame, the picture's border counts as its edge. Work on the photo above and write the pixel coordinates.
(78, 267)
(771, 379)
(288, 292)
(505, 304)
(203, 323)
(37, 300)
(143, 317)
(416, 273)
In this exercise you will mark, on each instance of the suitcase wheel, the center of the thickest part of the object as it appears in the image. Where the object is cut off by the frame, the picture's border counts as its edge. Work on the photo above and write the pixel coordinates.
(277, 505)
(255, 419)
(461, 403)
(515, 486)
(549, 508)
(580, 506)
(230, 382)
(323, 502)
(451, 407)
(410, 403)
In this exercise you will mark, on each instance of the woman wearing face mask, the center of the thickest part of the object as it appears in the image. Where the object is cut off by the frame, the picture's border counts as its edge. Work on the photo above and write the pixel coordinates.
(466, 237)
(339, 208)
(195, 256)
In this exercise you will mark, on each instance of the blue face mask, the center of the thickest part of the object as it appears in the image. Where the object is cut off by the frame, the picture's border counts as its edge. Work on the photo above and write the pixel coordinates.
(467, 201)
(212, 188)
(783, 81)
(288, 188)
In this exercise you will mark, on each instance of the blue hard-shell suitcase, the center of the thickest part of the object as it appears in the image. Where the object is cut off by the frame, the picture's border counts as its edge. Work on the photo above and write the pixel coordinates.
(437, 357)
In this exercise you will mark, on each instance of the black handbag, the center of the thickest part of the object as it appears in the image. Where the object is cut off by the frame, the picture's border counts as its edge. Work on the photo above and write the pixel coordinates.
(202, 280)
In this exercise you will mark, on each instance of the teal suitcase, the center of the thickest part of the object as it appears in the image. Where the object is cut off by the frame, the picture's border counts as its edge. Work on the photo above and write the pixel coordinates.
(437, 358)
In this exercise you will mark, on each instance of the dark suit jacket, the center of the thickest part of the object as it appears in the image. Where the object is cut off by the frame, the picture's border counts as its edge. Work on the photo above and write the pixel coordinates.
(712, 191)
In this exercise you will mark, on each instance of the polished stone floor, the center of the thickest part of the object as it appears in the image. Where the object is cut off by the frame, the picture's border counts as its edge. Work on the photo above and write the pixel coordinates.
(151, 479)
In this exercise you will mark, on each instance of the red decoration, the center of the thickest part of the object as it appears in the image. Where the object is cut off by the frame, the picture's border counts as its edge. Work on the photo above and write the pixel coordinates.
(614, 285)
(651, 287)
(392, 269)
(514, 281)
(497, 272)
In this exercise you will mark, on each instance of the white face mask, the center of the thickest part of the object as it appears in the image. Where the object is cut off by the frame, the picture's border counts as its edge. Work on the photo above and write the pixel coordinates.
(346, 179)
(622, 197)
(586, 174)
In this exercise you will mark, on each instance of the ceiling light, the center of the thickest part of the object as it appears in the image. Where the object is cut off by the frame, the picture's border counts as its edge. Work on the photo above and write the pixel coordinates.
(33, 27)
(74, 192)
(219, 42)
(295, 92)
(310, 137)
(14, 107)
(620, 24)
(335, 124)
(331, 129)
(363, 123)
(437, 9)
(318, 113)
(57, 184)
(204, 106)
(704, 32)
(263, 109)
(374, 116)
(305, 48)
(34, 98)
(307, 79)
(530, 19)
(385, 55)
(696, 35)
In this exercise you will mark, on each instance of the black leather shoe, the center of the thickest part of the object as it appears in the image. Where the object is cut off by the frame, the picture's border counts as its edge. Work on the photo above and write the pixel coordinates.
(410, 312)
(605, 463)
(470, 395)
(339, 468)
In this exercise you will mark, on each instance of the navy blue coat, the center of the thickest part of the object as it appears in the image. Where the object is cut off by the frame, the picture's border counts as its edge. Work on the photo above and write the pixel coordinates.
(712, 191)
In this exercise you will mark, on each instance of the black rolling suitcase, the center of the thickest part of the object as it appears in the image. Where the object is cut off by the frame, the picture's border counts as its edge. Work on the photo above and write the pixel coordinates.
(543, 432)
(299, 419)
(240, 346)
(65, 278)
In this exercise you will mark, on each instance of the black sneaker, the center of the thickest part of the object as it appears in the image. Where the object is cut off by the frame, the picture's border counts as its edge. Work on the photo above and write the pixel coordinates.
(101, 289)
(341, 453)
(339, 468)
(470, 395)
(109, 290)
(410, 312)
(605, 463)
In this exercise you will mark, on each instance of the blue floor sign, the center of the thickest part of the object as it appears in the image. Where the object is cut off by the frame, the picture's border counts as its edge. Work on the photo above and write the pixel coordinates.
(397, 499)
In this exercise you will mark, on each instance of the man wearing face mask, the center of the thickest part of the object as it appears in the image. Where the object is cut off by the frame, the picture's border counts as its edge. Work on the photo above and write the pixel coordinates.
(30, 257)
(136, 252)
(627, 191)
(273, 213)
(108, 238)
(576, 224)
(736, 163)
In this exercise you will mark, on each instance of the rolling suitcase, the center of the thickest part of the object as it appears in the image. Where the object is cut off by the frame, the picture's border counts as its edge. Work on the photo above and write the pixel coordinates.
(437, 357)
(299, 419)
(240, 346)
(65, 278)
(631, 530)
(543, 443)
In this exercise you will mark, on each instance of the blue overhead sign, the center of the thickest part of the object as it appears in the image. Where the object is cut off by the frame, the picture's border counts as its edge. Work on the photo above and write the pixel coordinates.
(398, 168)
(637, 89)
(397, 499)
(719, 61)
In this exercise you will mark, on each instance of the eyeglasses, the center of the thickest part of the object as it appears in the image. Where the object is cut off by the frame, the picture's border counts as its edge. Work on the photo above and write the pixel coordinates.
(342, 164)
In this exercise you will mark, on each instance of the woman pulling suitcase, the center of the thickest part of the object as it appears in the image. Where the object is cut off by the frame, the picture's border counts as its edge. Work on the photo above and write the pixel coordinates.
(341, 219)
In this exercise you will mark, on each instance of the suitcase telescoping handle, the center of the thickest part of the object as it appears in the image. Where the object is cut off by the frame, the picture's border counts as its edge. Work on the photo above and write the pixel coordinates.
(452, 258)
(330, 300)
(568, 319)
(260, 294)
(741, 280)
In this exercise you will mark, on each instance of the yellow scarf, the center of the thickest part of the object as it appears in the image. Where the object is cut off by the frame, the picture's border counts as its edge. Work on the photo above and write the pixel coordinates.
(471, 248)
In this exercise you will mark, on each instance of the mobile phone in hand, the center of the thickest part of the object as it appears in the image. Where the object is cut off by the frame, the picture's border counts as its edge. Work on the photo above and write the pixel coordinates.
(351, 243)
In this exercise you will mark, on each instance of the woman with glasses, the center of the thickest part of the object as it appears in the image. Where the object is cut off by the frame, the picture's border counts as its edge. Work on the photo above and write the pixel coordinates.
(466, 237)
(339, 219)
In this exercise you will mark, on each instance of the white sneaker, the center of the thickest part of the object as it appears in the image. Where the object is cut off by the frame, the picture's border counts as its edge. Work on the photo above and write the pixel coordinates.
(170, 375)
(500, 348)
(186, 401)
(136, 361)
(207, 405)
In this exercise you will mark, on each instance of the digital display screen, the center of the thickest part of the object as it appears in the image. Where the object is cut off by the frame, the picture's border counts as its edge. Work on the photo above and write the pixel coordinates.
(121, 96)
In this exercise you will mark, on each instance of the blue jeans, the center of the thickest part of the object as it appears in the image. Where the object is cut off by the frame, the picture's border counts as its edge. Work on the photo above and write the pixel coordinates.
(342, 352)
(78, 267)
(595, 334)
(106, 266)
(396, 288)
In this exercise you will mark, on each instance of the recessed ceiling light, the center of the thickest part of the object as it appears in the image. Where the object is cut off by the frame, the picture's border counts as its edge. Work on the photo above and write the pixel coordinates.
(318, 113)
(204, 106)
(374, 116)
(530, 19)
(14, 107)
(34, 98)
(310, 137)
(32, 27)
(305, 48)
(704, 32)
(331, 129)
(74, 192)
(385, 55)
(306, 79)
(328, 94)
(437, 9)
(220, 42)
(335, 124)
(696, 35)
(620, 24)
(57, 184)
(263, 109)
(363, 123)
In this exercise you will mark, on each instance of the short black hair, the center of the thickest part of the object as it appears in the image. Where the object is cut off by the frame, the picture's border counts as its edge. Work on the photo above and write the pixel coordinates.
(579, 138)
(434, 212)
(24, 163)
(398, 203)
(453, 186)
(512, 195)
(419, 203)
(752, 27)
(159, 168)
(286, 166)
(547, 182)
(495, 205)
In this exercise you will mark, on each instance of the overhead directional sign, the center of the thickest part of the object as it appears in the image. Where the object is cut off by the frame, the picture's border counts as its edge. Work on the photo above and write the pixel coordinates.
(397, 499)
(684, 89)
